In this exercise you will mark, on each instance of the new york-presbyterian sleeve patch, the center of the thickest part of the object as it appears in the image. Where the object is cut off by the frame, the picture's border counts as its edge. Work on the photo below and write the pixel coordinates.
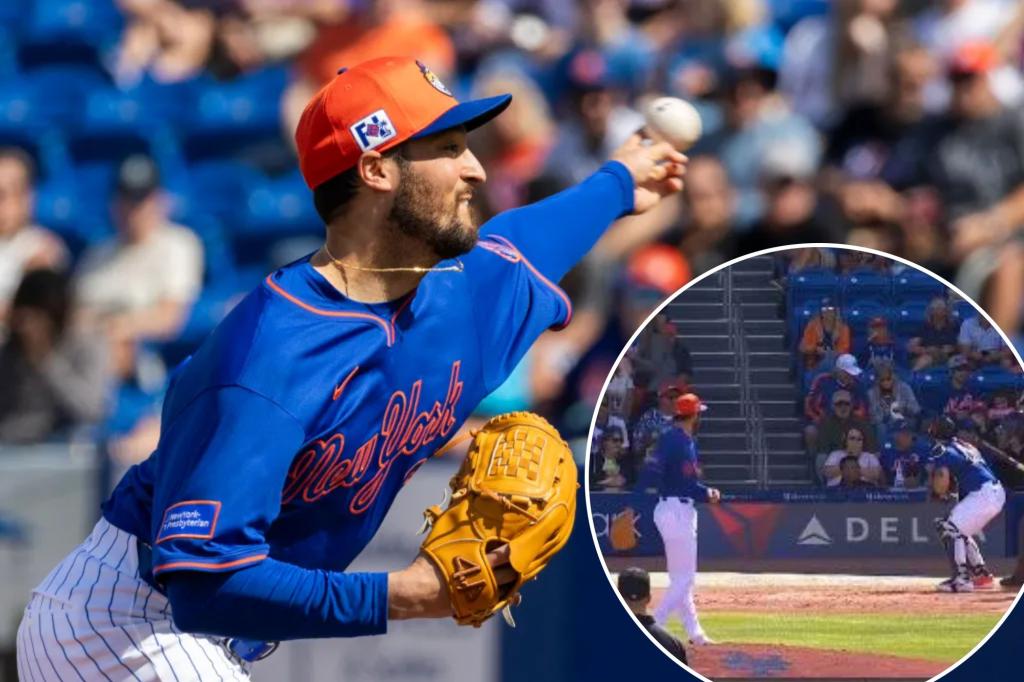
(189, 519)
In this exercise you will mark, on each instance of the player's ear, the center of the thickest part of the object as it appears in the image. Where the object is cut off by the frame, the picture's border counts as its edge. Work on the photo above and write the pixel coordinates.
(378, 172)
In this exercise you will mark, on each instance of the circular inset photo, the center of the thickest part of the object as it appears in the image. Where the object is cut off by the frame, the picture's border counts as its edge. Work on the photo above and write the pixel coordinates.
(809, 463)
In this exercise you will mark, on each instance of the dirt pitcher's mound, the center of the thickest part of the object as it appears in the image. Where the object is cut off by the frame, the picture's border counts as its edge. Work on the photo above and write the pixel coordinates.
(723, 661)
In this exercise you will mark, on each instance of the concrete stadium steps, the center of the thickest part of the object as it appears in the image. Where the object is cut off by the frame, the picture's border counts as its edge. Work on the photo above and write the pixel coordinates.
(713, 359)
(695, 326)
(721, 441)
(772, 386)
(719, 393)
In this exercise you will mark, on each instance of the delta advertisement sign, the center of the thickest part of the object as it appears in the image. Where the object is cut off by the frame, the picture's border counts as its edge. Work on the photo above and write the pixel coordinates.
(773, 530)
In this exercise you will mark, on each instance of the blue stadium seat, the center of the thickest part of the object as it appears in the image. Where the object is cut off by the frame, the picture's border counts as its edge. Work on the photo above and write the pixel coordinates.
(234, 115)
(859, 313)
(988, 380)
(909, 318)
(862, 285)
(276, 209)
(914, 285)
(59, 92)
(8, 54)
(221, 188)
(57, 207)
(963, 310)
(931, 388)
(809, 285)
(112, 112)
(19, 114)
(798, 319)
(68, 31)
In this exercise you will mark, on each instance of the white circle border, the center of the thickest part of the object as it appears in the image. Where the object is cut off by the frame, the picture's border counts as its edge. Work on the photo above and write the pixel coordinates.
(664, 304)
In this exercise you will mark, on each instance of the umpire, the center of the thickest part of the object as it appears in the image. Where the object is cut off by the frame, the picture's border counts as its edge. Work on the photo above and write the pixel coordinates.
(635, 588)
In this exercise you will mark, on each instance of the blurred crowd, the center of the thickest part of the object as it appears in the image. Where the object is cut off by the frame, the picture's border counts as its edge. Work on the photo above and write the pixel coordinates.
(892, 125)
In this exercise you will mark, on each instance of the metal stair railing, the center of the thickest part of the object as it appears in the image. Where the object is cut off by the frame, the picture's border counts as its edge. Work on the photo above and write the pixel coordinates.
(749, 410)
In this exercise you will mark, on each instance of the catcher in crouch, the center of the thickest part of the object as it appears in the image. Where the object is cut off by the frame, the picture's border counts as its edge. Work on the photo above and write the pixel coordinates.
(981, 499)
(286, 437)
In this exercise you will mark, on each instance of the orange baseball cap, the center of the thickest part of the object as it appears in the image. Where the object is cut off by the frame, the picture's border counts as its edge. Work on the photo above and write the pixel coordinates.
(378, 105)
(688, 405)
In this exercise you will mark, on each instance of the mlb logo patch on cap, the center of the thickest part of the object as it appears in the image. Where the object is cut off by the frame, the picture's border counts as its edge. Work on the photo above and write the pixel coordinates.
(373, 131)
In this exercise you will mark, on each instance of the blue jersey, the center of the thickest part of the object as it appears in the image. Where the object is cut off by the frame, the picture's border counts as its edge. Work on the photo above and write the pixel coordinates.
(965, 462)
(911, 459)
(673, 469)
(291, 430)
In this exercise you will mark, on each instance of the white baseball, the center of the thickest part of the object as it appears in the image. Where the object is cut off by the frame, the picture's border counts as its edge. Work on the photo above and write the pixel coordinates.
(674, 121)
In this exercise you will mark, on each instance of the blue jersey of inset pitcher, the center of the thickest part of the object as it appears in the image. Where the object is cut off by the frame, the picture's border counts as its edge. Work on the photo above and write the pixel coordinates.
(673, 468)
(965, 462)
(291, 430)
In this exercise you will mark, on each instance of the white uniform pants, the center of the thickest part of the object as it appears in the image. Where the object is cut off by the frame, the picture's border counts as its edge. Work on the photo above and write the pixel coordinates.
(94, 618)
(973, 513)
(676, 520)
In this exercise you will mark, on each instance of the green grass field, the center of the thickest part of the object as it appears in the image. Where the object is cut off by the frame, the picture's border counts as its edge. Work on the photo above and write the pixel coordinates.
(943, 638)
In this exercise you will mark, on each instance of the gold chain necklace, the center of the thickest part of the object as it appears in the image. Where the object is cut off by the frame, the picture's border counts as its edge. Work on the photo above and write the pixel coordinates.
(458, 267)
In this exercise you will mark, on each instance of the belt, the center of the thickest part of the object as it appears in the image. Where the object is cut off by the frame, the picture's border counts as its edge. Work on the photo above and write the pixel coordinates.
(248, 650)
(684, 500)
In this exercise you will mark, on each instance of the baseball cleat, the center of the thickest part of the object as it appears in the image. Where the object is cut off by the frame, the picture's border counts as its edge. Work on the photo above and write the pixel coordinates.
(984, 581)
(702, 640)
(956, 584)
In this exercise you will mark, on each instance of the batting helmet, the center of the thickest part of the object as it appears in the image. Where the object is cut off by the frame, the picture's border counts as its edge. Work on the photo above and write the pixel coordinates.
(942, 428)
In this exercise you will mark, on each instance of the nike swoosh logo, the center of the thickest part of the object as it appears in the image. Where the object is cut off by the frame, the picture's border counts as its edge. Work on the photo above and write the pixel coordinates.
(340, 388)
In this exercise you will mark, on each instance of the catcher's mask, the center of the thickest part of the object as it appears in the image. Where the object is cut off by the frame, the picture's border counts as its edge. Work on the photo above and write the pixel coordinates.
(942, 428)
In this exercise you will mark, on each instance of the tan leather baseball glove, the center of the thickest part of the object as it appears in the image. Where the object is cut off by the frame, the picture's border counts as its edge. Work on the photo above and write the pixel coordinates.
(517, 486)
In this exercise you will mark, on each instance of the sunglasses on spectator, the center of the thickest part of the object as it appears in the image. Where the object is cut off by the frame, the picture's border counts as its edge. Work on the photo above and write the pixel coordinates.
(845, 403)
(855, 438)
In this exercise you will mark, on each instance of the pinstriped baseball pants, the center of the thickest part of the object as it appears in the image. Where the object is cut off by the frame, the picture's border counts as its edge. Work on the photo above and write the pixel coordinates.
(94, 618)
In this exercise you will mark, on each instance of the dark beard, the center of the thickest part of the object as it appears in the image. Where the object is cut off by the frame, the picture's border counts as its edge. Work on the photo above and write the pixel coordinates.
(447, 235)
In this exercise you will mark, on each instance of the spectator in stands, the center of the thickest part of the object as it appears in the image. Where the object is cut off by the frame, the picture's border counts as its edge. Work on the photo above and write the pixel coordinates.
(164, 40)
(759, 124)
(853, 446)
(982, 424)
(606, 419)
(811, 258)
(850, 475)
(619, 394)
(656, 420)
(891, 399)
(792, 213)
(960, 398)
(902, 457)
(830, 433)
(141, 284)
(974, 154)
(662, 356)
(23, 245)
(709, 236)
(53, 378)
(880, 347)
(937, 340)
(598, 120)
(617, 467)
(981, 343)
(844, 376)
(515, 152)
(825, 338)
(1003, 405)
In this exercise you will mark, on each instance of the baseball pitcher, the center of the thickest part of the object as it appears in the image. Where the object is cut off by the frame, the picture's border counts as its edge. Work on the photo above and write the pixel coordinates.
(674, 471)
(288, 434)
